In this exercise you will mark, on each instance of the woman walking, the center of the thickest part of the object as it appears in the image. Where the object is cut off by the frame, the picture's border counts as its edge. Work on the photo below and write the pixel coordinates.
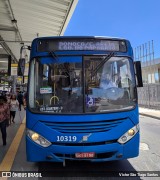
(4, 111)
(13, 107)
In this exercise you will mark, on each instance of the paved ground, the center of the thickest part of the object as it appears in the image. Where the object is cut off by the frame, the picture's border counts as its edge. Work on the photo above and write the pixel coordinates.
(11, 132)
(150, 112)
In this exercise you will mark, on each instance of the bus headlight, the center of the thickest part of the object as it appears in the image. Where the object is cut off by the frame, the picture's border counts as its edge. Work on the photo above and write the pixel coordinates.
(37, 138)
(129, 134)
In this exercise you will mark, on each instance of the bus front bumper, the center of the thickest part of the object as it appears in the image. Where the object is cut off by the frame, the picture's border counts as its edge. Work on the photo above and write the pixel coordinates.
(60, 153)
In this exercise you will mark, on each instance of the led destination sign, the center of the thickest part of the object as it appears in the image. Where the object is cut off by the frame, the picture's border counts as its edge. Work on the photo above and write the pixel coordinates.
(81, 45)
(89, 45)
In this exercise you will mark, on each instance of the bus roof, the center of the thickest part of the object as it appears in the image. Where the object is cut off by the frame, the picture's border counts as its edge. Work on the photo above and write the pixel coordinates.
(81, 37)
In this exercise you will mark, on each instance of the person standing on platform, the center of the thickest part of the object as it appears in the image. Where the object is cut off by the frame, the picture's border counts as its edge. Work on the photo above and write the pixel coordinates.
(4, 112)
(20, 100)
(8, 96)
(25, 100)
(8, 101)
(13, 107)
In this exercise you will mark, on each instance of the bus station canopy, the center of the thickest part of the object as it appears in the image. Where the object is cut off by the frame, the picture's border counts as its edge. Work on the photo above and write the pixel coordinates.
(23, 20)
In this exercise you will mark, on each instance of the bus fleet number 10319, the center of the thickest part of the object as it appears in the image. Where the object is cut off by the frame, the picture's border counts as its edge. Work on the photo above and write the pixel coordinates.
(66, 138)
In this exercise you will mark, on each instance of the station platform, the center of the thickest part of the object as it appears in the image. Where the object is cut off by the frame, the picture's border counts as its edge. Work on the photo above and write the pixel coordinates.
(15, 131)
(149, 112)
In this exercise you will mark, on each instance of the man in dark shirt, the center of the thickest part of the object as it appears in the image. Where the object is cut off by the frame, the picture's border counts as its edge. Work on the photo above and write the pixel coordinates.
(20, 100)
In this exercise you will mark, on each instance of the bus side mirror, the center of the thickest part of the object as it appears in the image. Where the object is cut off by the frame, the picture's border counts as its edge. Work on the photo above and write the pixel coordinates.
(21, 67)
(138, 71)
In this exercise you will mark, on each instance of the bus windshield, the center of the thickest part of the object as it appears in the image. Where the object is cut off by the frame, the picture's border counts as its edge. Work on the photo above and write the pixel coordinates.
(81, 84)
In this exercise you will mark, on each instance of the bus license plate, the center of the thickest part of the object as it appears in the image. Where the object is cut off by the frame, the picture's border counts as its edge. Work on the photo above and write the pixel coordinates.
(85, 155)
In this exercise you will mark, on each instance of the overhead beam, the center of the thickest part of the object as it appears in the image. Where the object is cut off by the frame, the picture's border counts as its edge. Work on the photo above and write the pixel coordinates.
(7, 28)
(3, 55)
(9, 41)
(7, 49)
(13, 18)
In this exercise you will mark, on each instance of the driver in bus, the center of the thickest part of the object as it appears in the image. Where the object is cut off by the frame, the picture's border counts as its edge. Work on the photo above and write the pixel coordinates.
(106, 81)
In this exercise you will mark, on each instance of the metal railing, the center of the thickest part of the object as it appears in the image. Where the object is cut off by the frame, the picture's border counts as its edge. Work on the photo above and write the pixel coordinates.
(149, 96)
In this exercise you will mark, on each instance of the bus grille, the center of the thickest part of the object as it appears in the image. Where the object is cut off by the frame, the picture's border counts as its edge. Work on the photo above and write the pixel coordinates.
(83, 127)
(86, 143)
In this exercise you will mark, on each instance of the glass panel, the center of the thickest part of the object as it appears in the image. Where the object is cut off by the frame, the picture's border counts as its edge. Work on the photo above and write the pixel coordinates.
(32, 85)
(62, 86)
(109, 85)
(57, 85)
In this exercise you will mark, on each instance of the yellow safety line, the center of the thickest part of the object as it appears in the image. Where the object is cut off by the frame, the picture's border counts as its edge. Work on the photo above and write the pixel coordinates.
(8, 160)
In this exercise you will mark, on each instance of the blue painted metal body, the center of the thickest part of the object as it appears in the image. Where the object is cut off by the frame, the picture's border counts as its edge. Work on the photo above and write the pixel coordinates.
(104, 144)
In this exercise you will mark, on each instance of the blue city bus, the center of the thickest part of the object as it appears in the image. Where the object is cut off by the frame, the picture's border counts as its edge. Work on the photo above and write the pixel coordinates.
(82, 100)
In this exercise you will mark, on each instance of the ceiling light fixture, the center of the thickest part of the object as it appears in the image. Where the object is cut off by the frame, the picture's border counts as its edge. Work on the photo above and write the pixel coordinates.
(14, 21)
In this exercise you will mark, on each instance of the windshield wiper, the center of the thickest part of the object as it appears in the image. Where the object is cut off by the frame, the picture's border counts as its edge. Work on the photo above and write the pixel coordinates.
(53, 54)
(101, 64)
